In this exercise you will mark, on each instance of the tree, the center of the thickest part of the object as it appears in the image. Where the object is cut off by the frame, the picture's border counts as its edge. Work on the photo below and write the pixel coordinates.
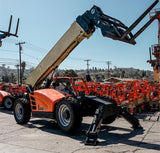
(122, 74)
(5, 78)
(70, 73)
(12, 78)
(23, 65)
(3, 65)
(143, 74)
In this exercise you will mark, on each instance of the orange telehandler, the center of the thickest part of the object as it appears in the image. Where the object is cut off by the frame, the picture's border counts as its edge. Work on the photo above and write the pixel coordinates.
(66, 108)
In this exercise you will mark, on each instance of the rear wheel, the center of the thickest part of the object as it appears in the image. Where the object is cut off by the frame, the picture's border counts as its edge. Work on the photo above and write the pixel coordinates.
(109, 119)
(22, 111)
(8, 103)
(68, 114)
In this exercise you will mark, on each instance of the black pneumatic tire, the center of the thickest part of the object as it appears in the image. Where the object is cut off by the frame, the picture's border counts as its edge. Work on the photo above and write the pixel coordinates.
(109, 119)
(68, 114)
(22, 111)
(8, 102)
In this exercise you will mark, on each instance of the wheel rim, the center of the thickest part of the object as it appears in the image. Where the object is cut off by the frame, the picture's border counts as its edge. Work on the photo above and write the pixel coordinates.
(8, 103)
(64, 115)
(19, 111)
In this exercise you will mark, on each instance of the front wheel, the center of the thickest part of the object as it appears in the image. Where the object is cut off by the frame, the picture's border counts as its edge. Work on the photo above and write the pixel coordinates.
(22, 111)
(8, 103)
(68, 114)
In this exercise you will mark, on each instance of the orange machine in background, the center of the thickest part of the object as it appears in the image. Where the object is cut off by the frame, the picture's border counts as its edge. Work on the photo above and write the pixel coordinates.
(154, 50)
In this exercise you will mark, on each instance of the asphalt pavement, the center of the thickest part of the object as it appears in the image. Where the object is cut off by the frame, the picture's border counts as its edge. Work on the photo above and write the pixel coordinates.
(43, 136)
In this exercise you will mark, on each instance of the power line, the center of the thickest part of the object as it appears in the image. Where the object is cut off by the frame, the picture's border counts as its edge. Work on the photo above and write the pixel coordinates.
(15, 52)
(15, 60)
(35, 47)
(41, 50)
(82, 59)
(8, 59)
(6, 50)
(27, 45)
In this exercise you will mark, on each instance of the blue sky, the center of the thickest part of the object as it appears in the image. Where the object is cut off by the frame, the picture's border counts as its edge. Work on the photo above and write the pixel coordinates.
(43, 22)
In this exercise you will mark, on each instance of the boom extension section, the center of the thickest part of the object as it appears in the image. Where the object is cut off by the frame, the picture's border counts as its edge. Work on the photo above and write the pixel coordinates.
(84, 27)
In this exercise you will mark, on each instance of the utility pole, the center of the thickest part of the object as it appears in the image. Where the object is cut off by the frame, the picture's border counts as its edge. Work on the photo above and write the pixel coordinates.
(87, 65)
(17, 72)
(20, 49)
(108, 64)
(88, 78)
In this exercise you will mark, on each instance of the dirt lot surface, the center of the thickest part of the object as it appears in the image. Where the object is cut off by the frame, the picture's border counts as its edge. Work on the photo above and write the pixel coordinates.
(43, 136)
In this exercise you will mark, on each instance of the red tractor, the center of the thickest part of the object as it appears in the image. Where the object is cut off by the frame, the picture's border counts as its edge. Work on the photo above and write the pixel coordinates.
(10, 92)
(6, 100)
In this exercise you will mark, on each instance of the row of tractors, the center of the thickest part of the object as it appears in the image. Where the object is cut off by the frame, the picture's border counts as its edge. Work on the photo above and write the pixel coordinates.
(9, 92)
(136, 95)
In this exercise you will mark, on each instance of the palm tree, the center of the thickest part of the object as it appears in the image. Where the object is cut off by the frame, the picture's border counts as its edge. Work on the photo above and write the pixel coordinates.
(23, 65)
(17, 66)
